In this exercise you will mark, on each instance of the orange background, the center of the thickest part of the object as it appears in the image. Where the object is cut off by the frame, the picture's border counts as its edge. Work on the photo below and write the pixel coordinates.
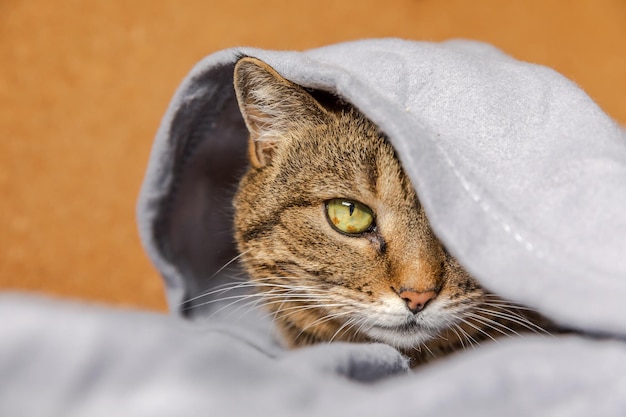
(83, 85)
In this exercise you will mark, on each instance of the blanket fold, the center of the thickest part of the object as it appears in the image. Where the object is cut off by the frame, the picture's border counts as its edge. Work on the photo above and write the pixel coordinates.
(522, 175)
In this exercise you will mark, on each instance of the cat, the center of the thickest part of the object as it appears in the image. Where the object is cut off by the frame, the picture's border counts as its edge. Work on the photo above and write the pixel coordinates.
(334, 238)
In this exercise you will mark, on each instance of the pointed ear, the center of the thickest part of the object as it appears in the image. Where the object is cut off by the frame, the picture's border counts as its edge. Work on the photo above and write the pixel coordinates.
(271, 106)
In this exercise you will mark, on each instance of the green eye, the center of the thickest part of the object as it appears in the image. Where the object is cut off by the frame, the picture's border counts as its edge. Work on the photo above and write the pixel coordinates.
(349, 216)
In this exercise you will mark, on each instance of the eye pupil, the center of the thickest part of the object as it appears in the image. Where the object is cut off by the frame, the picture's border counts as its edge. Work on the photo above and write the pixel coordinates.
(350, 206)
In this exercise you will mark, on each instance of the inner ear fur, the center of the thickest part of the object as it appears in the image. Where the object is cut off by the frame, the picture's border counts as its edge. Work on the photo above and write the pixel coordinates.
(271, 106)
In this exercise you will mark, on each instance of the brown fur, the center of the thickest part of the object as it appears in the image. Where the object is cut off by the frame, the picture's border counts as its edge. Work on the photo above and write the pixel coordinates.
(322, 285)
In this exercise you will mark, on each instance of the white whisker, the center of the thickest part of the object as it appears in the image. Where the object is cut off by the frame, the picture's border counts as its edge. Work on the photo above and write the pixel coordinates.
(470, 340)
(217, 272)
(429, 351)
(508, 306)
(453, 329)
(467, 322)
(492, 324)
(515, 318)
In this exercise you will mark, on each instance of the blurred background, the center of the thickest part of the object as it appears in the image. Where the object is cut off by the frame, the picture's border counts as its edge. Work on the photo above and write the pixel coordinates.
(84, 84)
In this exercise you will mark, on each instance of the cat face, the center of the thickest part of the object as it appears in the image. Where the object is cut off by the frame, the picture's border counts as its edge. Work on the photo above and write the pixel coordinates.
(332, 234)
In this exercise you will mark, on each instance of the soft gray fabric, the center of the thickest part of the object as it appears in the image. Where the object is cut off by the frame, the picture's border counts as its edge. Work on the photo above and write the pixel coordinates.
(523, 178)
(62, 359)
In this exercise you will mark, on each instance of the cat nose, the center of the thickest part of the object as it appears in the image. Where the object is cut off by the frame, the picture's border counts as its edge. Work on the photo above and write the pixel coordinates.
(416, 301)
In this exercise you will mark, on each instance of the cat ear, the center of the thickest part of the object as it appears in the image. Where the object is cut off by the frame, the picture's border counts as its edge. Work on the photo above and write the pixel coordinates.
(271, 106)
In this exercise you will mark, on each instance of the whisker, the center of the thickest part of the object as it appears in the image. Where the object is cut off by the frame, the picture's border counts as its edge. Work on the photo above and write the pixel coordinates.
(508, 306)
(429, 351)
(347, 323)
(229, 262)
(491, 324)
(467, 322)
(270, 300)
(453, 329)
(224, 288)
(361, 322)
(257, 298)
(296, 309)
(305, 291)
(231, 297)
(220, 289)
(516, 318)
(330, 316)
(468, 338)
(237, 299)
(218, 271)
(363, 326)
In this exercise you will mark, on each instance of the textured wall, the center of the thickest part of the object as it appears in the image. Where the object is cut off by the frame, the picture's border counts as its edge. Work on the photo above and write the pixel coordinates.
(83, 85)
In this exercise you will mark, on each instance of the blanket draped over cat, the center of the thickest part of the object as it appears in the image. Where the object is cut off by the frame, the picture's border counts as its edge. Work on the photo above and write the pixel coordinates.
(523, 178)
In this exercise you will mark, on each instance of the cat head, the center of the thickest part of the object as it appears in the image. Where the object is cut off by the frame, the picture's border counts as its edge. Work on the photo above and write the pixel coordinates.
(329, 227)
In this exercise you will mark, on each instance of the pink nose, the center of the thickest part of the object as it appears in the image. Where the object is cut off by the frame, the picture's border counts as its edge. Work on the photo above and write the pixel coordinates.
(416, 301)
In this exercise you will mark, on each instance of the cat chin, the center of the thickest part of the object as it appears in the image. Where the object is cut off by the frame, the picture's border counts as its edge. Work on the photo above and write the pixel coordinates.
(403, 337)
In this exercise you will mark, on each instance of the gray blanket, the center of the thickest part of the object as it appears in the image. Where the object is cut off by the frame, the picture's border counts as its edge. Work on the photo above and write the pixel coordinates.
(523, 178)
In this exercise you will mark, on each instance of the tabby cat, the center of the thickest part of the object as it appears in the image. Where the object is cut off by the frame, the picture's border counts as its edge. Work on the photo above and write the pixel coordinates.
(334, 238)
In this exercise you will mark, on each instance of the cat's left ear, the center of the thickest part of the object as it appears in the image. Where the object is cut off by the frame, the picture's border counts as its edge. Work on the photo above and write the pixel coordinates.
(272, 107)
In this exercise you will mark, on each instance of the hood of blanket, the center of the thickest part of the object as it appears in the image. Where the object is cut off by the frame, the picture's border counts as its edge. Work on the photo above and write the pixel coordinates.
(522, 175)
